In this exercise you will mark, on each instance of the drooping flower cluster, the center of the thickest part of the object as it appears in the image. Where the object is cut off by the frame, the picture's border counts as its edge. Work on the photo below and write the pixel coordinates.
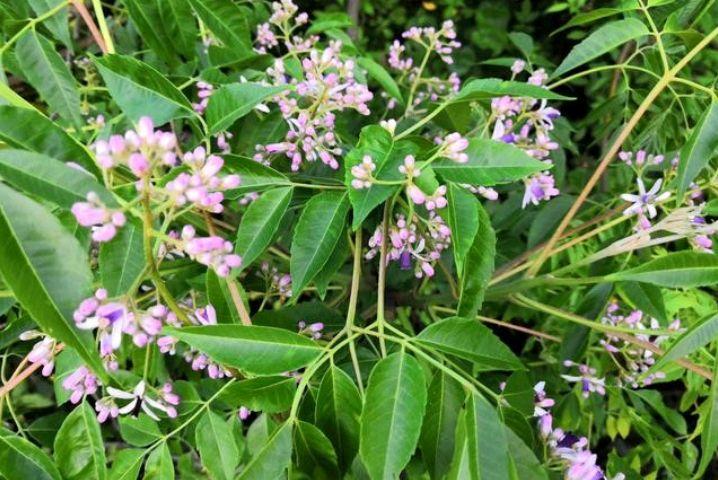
(95, 214)
(590, 383)
(313, 330)
(526, 123)
(80, 383)
(201, 186)
(569, 450)
(213, 251)
(637, 360)
(640, 159)
(417, 244)
(204, 91)
(198, 360)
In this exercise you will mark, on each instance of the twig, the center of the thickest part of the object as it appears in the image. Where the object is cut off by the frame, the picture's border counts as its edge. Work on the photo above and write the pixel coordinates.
(90, 22)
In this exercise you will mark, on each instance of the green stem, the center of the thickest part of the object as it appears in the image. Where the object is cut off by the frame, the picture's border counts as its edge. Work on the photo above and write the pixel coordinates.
(31, 24)
(381, 285)
(97, 6)
(353, 298)
(423, 121)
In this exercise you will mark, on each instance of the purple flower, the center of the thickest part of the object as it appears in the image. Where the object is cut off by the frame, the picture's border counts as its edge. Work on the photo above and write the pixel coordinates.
(81, 382)
(95, 214)
(645, 201)
(539, 187)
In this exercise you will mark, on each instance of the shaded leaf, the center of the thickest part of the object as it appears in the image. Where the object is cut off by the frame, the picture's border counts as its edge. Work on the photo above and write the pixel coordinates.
(315, 236)
(79, 451)
(699, 149)
(217, 448)
(235, 100)
(478, 266)
(228, 22)
(338, 408)
(603, 40)
(488, 88)
(159, 464)
(647, 298)
(261, 394)
(140, 90)
(21, 459)
(122, 260)
(314, 450)
(49, 75)
(463, 220)
(255, 176)
(47, 271)
(127, 464)
(392, 415)
(486, 440)
(273, 459)
(260, 223)
(679, 269)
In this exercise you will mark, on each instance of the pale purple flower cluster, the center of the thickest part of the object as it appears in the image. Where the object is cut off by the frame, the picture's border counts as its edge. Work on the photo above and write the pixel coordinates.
(279, 283)
(443, 42)
(590, 383)
(362, 173)
(95, 214)
(139, 399)
(213, 251)
(43, 352)
(310, 103)
(81, 382)
(313, 330)
(141, 150)
(198, 360)
(112, 319)
(526, 123)
(640, 159)
(328, 86)
(637, 360)
(418, 243)
(201, 186)
(204, 91)
(571, 451)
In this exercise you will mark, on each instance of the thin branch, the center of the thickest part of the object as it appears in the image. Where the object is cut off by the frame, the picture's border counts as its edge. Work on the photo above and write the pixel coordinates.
(90, 22)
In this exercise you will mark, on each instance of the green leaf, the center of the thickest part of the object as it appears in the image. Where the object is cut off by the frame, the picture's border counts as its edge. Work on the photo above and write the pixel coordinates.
(47, 271)
(699, 149)
(219, 296)
(697, 336)
(646, 297)
(603, 40)
(21, 459)
(669, 415)
(487, 446)
(49, 75)
(589, 17)
(392, 415)
(179, 25)
(235, 100)
(709, 426)
(140, 90)
(490, 163)
(335, 262)
(139, 431)
(387, 155)
(338, 408)
(126, 465)
(470, 340)
(255, 176)
(548, 218)
(217, 448)
(159, 464)
(254, 349)
(227, 21)
(383, 78)
(273, 459)
(57, 24)
(9, 97)
(50, 179)
(463, 219)
(122, 260)
(679, 269)
(488, 88)
(79, 451)
(446, 397)
(31, 130)
(261, 394)
(478, 266)
(315, 236)
(314, 451)
(260, 223)
(146, 15)
(523, 460)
